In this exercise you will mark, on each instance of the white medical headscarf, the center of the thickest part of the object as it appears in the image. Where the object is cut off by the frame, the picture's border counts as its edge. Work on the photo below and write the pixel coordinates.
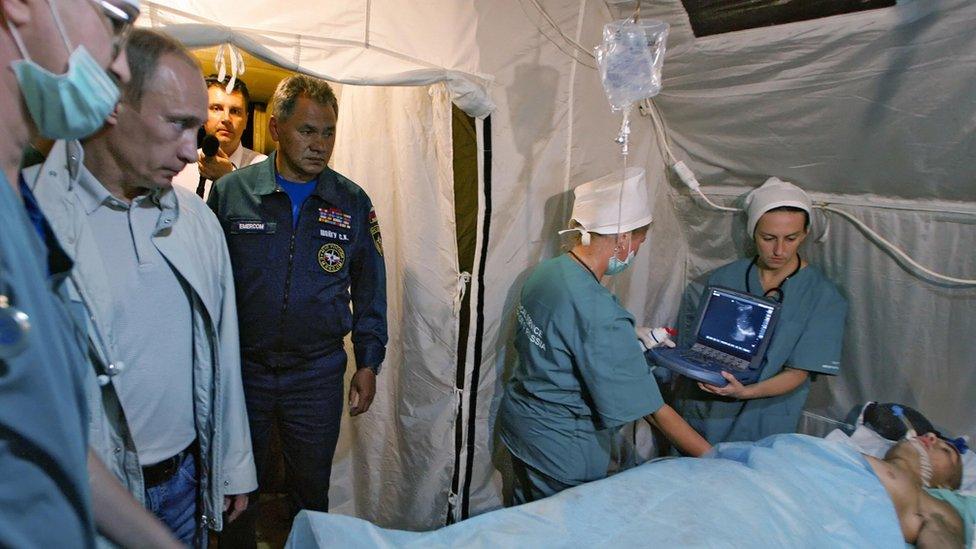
(775, 193)
(600, 207)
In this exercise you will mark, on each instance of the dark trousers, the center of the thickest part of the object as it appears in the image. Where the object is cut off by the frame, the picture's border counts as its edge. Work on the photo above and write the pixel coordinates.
(306, 404)
(532, 484)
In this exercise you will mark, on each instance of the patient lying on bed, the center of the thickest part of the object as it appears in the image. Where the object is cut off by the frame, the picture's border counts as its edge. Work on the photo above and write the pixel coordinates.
(782, 491)
(909, 467)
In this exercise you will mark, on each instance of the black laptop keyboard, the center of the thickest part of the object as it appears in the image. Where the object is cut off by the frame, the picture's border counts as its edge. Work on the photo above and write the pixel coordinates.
(709, 358)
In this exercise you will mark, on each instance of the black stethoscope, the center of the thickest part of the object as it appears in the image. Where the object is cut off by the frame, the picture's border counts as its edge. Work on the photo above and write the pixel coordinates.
(778, 293)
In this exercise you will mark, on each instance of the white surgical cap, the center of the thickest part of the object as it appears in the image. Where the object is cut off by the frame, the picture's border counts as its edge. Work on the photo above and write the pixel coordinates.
(610, 206)
(775, 193)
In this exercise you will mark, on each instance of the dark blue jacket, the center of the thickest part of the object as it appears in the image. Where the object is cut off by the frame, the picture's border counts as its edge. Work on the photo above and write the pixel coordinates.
(295, 282)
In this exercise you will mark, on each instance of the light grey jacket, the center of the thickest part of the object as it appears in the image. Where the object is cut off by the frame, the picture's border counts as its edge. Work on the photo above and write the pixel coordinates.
(189, 237)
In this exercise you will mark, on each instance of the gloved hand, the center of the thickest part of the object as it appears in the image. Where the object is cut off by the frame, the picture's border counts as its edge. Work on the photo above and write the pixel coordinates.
(654, 337)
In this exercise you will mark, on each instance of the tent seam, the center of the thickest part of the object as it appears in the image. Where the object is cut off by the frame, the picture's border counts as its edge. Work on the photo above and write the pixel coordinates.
(572, 101)
(479, 334)
(369, 10)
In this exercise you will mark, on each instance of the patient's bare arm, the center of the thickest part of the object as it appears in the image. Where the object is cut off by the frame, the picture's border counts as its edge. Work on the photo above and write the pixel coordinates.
(941, 525)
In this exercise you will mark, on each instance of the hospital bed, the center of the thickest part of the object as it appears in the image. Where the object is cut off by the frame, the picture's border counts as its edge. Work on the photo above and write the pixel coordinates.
(784, 491)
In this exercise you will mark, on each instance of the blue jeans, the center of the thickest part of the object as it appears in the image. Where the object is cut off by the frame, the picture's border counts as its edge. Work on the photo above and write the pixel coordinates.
(306, 404)
(175, 503)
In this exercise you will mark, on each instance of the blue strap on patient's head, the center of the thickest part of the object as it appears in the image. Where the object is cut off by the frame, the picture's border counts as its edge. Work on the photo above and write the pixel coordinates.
(958, 443)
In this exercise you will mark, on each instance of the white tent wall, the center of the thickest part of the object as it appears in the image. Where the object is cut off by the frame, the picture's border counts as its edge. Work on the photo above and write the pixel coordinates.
(868, 102)
(907, 340)
(393, 465)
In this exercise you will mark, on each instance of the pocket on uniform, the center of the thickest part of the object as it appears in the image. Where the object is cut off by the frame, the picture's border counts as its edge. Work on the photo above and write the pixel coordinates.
(249, 248)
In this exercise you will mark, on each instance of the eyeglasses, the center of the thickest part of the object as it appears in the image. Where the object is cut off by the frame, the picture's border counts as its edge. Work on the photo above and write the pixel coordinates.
(121, 20)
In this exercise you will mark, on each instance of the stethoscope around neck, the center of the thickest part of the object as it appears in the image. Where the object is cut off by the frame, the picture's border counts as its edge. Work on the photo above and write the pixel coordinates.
(778, 294)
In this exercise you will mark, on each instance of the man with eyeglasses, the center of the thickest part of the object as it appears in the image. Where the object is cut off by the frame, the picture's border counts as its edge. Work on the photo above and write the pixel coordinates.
(153, 275)
(227, 110)
(66, 59)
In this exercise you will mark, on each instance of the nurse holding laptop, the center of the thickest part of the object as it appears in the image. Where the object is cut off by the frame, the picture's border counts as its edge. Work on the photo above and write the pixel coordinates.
(808, 336)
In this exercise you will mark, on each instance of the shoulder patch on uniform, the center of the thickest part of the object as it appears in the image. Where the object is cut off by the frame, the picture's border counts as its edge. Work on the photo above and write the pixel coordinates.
(331, 257)
(374, 231)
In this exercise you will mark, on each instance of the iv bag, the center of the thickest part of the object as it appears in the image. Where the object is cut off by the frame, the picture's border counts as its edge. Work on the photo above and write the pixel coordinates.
(630, 60)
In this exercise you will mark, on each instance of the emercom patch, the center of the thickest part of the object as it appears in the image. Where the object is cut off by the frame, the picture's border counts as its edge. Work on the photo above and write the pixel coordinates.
(374, 231)
(331, 257)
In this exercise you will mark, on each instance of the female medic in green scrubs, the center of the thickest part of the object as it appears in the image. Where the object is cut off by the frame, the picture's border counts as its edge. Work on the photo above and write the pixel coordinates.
(581, 373)
(808, 336)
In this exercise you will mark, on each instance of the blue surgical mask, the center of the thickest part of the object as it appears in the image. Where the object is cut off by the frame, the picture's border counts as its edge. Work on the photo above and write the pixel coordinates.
(617, 266)
(70, 105)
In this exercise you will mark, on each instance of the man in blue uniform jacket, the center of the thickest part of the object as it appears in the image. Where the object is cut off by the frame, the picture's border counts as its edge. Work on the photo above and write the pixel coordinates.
(304, 242)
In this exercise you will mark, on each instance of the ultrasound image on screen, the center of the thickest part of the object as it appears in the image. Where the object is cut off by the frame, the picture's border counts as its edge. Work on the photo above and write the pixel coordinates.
(734, 326)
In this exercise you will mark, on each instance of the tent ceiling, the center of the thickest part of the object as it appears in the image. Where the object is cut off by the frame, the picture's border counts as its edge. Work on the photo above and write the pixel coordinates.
(343, 42)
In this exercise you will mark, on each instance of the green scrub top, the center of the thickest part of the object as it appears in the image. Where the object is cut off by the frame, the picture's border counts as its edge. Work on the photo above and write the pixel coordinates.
(44, 495)
(808, 336)
(580, 374)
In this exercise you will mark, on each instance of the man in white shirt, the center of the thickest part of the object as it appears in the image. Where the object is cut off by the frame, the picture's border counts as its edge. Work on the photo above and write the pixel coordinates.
(227, 119)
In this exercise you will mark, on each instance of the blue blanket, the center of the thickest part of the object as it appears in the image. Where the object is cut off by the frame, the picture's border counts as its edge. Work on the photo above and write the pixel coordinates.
(783, 491)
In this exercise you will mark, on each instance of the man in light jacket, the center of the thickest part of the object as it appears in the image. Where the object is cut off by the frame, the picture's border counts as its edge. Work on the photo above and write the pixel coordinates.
(153, 275)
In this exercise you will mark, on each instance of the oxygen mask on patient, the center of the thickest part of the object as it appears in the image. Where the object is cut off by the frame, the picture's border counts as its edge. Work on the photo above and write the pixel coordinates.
(959, 443)
(925, 463)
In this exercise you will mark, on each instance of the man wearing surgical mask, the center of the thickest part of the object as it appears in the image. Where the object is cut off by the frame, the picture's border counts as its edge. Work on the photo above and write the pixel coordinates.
(581, 373)
(61, 61)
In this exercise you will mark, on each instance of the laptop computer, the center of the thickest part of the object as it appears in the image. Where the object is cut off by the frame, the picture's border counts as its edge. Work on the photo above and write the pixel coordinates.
(731, 334)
